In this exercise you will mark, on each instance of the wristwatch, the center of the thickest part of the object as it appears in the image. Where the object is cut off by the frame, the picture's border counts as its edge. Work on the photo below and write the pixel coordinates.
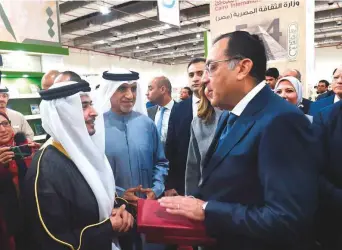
(204, 205)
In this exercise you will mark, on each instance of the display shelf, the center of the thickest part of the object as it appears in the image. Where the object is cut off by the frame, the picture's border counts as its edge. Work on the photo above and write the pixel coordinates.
(26, 96)
(39, 137)
(21, 74)
(33, 117)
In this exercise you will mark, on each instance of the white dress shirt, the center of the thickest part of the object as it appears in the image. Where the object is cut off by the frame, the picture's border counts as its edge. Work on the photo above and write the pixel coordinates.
(195, 102)
(337, 98)
(240, 107)
(166, 118)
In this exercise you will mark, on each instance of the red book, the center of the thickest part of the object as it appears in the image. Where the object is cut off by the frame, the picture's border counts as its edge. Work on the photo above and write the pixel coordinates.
(162, 227)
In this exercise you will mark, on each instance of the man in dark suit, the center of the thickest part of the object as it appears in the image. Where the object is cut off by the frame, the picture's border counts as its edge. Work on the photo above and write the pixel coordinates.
(159, 92)
(306, 103)
(185, 93)
(325, 95)
(259, 182)
(323, 90)
(328, 127)
(178, 137)
(336, 88)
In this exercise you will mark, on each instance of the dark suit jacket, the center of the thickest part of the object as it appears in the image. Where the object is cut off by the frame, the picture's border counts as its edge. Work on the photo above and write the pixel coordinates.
(305, 105)
(325, 95)
(261, 183)
(152, 111)
(328, 127)
(321, 104)
(177, 144)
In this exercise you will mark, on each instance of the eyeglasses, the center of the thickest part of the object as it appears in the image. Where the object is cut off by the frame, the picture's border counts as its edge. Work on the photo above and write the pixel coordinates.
(211, 66)
(5, 124)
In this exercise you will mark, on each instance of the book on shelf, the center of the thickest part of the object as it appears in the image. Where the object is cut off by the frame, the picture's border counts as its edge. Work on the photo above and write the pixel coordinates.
(39, 129)
(35, 109)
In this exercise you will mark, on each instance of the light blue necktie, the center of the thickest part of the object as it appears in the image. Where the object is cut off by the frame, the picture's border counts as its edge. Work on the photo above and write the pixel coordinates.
(160, 121)
(230, 122)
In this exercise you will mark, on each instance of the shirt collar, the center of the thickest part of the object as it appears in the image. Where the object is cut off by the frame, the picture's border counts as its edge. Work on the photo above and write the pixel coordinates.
(195, 99)
(336, 98)
(240, 107)
(169, 106)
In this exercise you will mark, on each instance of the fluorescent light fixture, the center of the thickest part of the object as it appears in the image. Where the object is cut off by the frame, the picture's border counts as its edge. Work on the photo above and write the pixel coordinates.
(167, 26)
(100, 42)
(104, 10)
(25, 76)
(198, 35)
(137, 47)
(3, 75)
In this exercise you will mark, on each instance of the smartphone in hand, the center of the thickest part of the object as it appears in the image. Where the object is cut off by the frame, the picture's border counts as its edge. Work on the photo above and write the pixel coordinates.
(21, 151)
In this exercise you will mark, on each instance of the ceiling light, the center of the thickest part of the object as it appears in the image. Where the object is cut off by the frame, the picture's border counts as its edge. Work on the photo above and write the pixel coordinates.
(198, 35)
(104, 10)
(167, 26)
(192, 56)
(339, 23)
(100, 42)
(137, 47)
(3, 75)
(25, 76)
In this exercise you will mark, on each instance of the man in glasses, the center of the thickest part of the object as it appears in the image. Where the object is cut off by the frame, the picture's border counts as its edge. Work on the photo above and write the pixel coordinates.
(178, 136)
(259, 179)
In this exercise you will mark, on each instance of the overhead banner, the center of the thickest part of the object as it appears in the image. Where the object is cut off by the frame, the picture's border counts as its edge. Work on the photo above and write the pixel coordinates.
(285, 27)
(31, 22)
(168, 11)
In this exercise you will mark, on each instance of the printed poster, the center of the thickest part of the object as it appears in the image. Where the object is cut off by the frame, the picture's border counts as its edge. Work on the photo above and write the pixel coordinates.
(285, 27)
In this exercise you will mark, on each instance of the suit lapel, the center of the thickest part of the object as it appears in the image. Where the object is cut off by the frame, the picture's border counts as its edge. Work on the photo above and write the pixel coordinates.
(155, 110)
(220, 127)
(239, 130)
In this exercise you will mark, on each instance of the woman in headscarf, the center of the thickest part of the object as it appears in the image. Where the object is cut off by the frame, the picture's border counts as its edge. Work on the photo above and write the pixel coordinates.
(202, 132)
(12, 172)
(290, 88)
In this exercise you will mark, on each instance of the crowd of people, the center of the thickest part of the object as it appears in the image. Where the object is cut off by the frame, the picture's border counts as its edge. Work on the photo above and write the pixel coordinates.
(243, 152)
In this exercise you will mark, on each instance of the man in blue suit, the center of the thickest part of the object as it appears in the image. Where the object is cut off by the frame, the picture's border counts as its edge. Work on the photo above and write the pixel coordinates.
(328, 127)
(337, 96)
(178, 135)
(259, 186)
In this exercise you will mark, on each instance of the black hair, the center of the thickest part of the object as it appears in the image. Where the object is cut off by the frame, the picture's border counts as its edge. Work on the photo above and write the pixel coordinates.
(189, 90)
(73, 76)
(196, 60)
(272, 72)
(325, 82)
(5, 116)
(243, 44)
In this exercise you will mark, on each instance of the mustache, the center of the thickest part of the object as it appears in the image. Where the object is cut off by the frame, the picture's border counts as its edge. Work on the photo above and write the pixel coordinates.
(90, 120)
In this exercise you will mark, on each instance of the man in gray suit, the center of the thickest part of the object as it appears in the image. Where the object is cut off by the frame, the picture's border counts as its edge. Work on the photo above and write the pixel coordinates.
(159, 92)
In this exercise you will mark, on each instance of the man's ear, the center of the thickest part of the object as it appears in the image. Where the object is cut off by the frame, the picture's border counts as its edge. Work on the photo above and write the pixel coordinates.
(162, 89)
(244, 68)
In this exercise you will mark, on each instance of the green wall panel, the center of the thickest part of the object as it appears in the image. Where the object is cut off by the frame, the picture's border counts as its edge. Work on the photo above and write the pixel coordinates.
(35, 48)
